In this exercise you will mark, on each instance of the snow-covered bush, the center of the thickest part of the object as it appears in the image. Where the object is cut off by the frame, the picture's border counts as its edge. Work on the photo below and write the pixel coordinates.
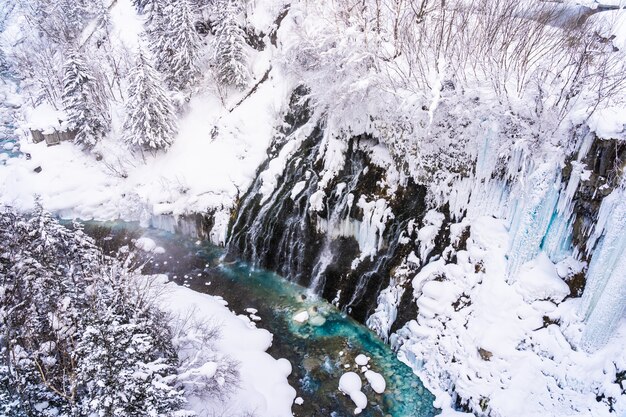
(82, 335)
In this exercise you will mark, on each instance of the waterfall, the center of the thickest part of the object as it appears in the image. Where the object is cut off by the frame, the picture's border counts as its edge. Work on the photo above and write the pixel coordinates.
(327, 213)
(532, 212)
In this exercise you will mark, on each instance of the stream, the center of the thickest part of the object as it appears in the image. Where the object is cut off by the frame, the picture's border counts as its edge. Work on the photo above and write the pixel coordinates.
(320, 350)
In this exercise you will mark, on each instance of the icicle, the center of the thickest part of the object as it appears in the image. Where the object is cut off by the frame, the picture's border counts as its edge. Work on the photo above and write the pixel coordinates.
(558, 240)
(532, 215)
(604, 298)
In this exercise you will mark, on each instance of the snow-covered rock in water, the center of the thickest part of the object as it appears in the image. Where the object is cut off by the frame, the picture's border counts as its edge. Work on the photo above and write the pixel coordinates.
(361, 360)
(376, 380)
(301, 317)
(148, 245)
(350, 384)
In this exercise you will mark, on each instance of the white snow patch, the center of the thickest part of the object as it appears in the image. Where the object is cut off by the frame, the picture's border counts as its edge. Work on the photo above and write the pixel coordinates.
(297, 189)
(377, 381)
(350, 384)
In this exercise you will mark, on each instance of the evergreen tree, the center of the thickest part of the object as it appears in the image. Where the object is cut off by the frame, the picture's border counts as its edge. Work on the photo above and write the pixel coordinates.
(150, 120)
(230, 55)
(173, 41)
(178, 60)
(82, 104)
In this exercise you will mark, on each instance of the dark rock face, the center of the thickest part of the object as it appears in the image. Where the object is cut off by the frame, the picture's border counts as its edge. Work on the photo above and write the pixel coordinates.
(606, 159)
(282, 233)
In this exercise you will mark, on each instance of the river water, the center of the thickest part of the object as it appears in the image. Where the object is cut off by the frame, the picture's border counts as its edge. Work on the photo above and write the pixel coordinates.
(320, 350)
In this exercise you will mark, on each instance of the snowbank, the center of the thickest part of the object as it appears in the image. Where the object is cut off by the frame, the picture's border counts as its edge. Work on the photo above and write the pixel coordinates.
(264, 388)
(513, 343)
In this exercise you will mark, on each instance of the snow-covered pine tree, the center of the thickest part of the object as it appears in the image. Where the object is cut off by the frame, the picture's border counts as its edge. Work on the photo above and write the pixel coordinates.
(84, 108)
(150, 119)
(178, 57)
(230, 47)
(155, 23)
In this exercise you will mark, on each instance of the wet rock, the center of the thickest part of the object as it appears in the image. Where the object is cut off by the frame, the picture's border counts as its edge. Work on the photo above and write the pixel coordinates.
(485, 354)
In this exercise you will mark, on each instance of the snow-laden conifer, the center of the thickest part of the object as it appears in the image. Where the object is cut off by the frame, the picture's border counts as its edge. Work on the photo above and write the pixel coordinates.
(176, 45)
(84, 109)
(230, 47)
(150, 119)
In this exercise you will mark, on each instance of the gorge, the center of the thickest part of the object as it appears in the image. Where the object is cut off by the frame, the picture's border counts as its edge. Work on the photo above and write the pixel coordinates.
(450, 175)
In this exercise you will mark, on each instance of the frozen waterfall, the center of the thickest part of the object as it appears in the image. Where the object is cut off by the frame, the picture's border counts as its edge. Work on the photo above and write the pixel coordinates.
(604, 299)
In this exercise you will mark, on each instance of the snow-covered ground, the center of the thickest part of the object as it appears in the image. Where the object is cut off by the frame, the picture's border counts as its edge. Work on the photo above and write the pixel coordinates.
(212, 161)
(509, 347)
(263, 388)
(198, 173)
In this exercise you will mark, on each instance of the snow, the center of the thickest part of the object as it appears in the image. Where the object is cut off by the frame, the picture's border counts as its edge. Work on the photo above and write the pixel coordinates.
(316, 201)
(539, 280)
(127, 25)
(297, 189)
(361, 360)
(301, 317)
(45, 118)
(609, 123)
(427, 234)
(506, 357)
(264, 388)
(376, 380)
(350, 384)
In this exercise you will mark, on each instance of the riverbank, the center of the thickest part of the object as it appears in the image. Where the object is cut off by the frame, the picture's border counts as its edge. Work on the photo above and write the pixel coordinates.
(263, 390)
(319, 341)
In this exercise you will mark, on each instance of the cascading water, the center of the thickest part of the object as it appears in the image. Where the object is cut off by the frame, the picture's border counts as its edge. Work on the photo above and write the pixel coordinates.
(337, 234)
(341, 231)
